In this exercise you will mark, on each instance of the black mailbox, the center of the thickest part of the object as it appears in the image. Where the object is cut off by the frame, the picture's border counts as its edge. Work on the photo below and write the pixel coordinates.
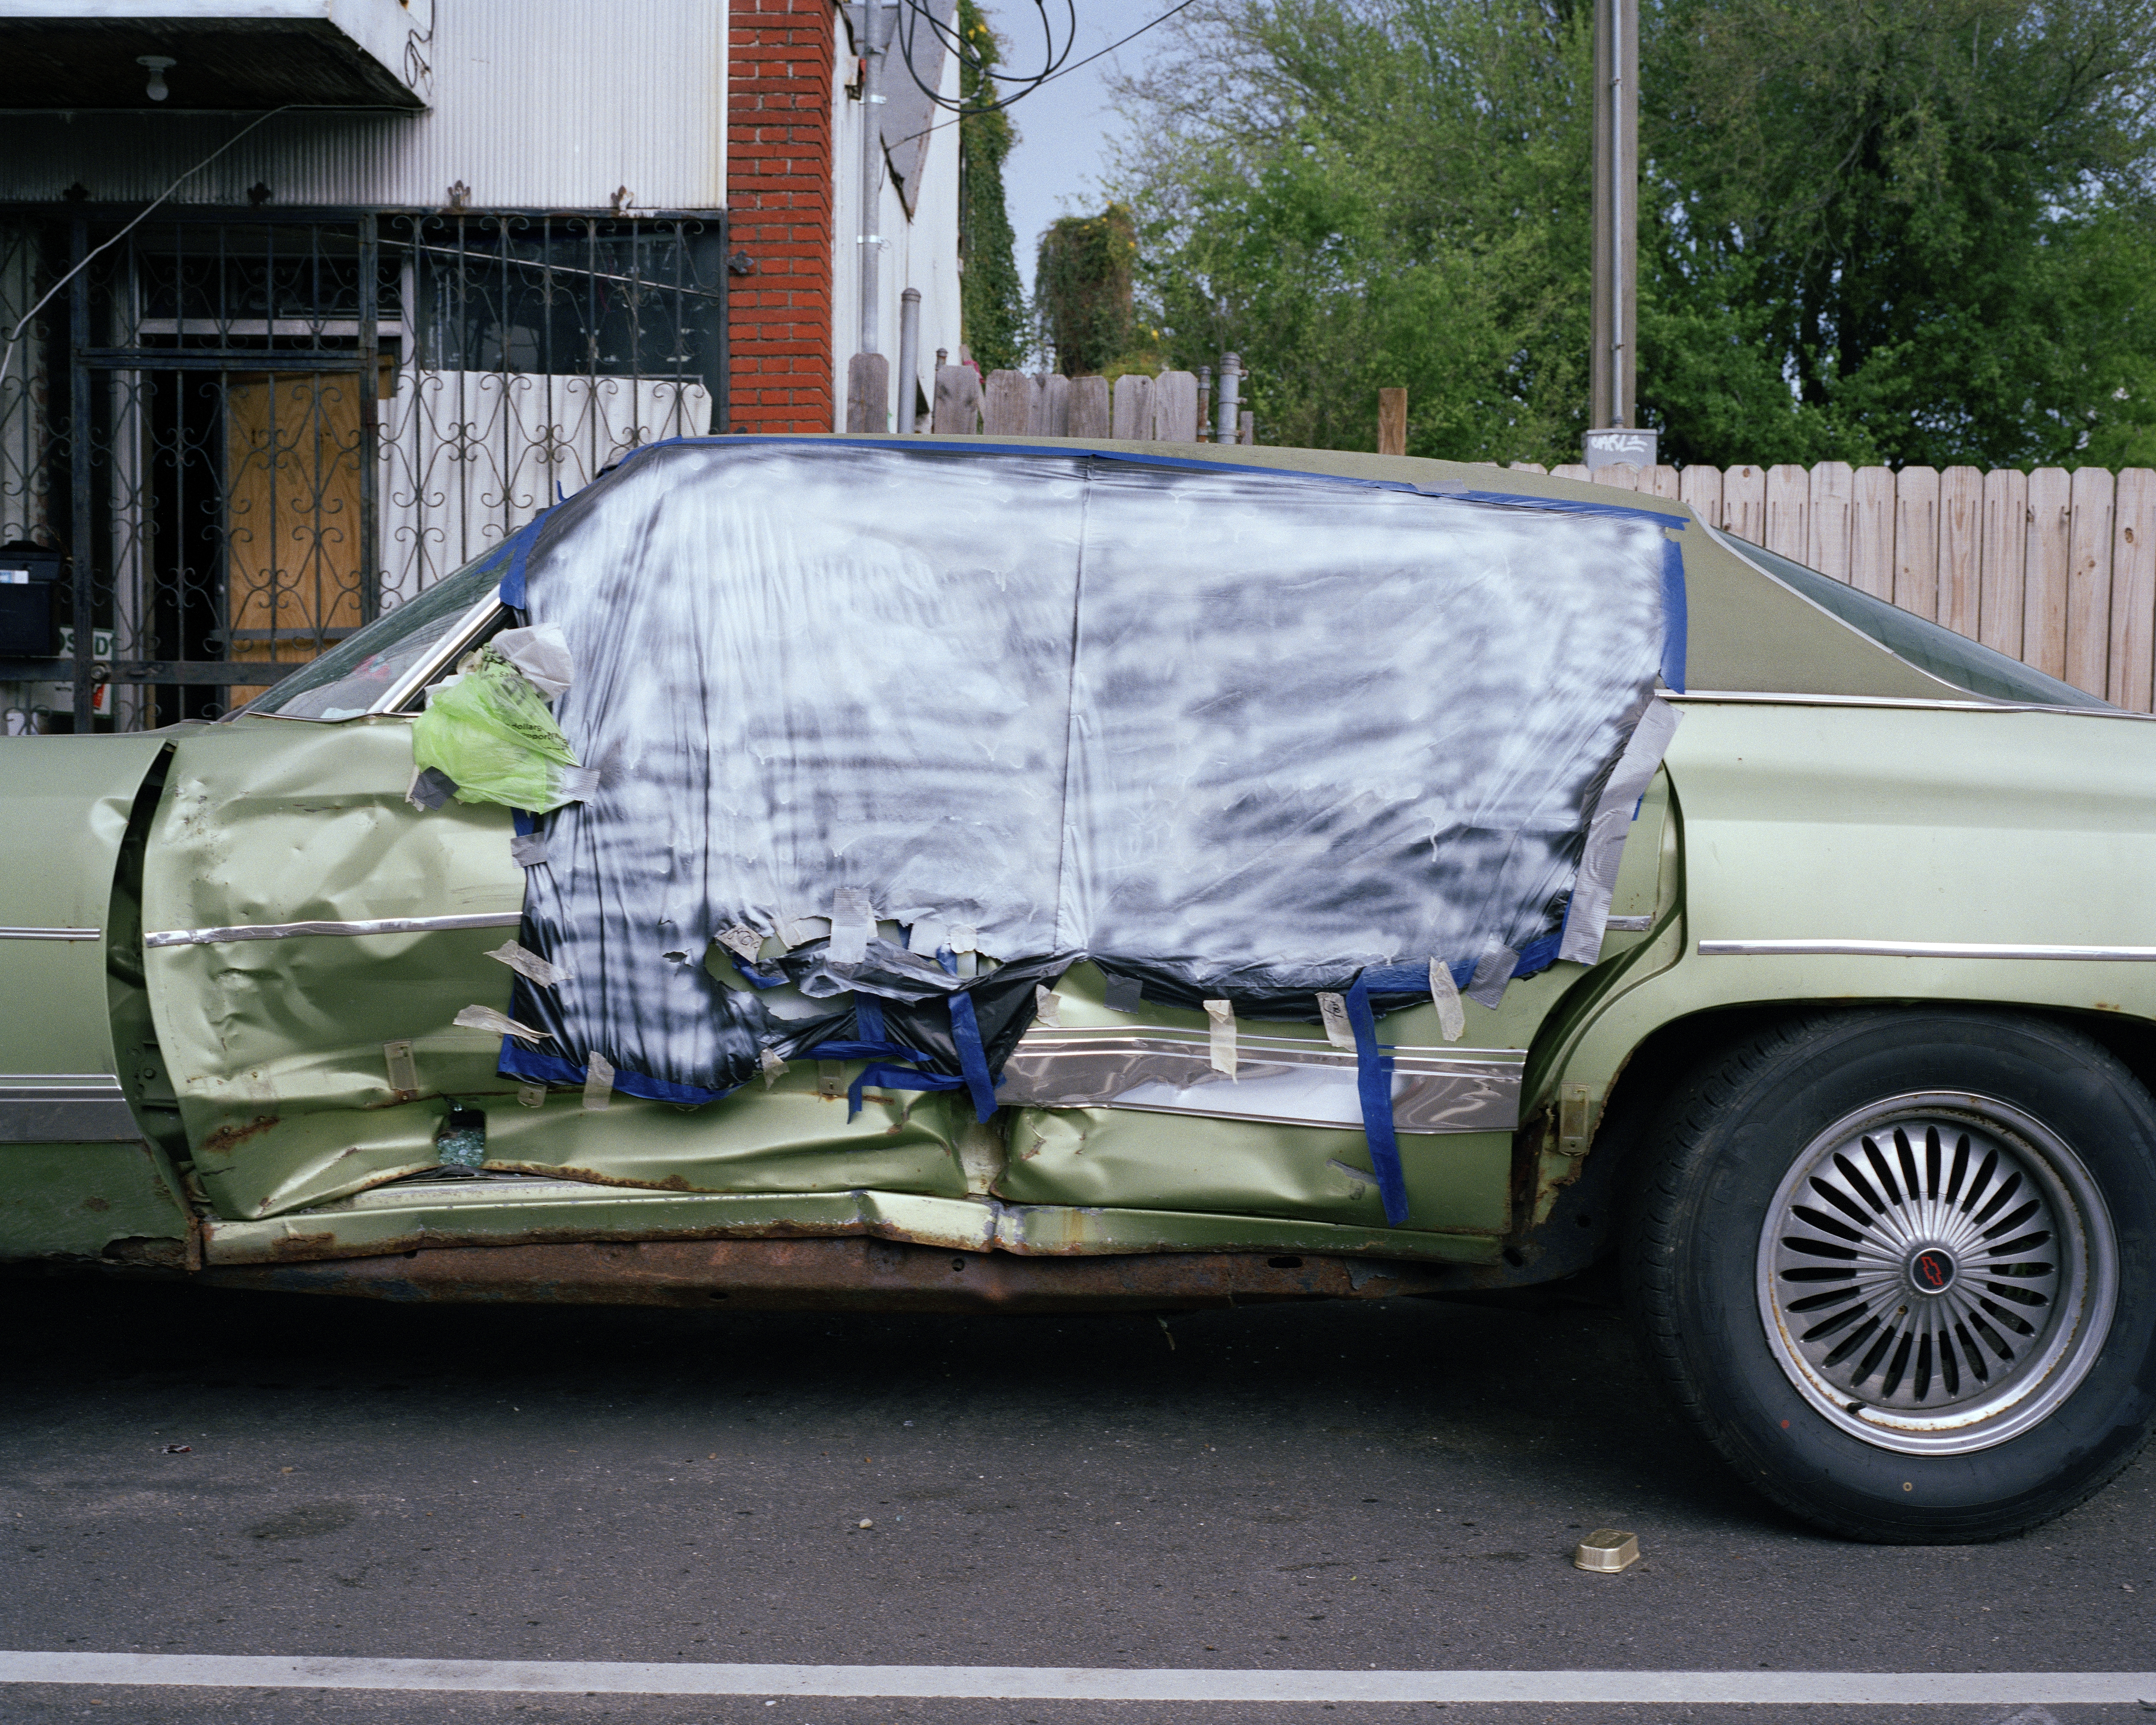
(29, 614)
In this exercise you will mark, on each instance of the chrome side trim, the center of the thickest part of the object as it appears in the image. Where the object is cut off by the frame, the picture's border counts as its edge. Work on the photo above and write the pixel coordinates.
(1919, 949)
(49, 934)
(1627, 925)
(447, 651)
(287, 931)
(59, 1084)
(1280, 1081)
(64, 1108)
(1757, 697)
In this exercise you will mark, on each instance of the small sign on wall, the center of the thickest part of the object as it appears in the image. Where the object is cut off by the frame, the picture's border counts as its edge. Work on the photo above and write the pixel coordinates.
(1613, 444)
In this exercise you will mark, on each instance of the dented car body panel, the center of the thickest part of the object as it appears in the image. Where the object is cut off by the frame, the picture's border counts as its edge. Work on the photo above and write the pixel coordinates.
(80, 1176)
(284, 942)
(1840, 853)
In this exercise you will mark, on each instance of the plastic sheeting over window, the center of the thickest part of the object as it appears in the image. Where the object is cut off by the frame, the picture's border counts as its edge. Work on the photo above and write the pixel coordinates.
(1235, 736)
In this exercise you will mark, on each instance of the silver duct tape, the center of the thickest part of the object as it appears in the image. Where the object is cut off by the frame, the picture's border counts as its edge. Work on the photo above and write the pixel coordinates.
(1493, 975)
(599, 1080)
(64, 1108)
(1607, 831)
(288, 931)
(1276, 1081)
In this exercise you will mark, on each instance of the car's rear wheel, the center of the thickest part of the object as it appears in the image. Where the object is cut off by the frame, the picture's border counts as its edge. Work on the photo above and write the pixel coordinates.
(1896, 1267)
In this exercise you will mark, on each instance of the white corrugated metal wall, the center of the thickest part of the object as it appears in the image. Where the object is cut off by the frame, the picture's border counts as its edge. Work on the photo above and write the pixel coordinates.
(546, 103)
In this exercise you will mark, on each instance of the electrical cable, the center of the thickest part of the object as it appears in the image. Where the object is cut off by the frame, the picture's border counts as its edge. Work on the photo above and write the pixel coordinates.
(1054, 63)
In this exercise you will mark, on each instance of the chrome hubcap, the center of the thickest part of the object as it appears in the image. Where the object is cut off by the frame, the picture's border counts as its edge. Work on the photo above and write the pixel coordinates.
(1936, 1274)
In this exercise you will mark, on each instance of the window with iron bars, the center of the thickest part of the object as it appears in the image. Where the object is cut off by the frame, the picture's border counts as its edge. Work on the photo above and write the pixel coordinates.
(233, 437)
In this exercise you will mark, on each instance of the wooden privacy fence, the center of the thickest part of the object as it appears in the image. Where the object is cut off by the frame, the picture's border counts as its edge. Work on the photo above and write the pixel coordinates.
(1169, 408)
(2057, 568)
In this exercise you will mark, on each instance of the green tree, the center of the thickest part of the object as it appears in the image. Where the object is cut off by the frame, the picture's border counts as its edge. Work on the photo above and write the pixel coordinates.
(1386, 192)
(991, 294)
(1082, 283)
(1906, 230)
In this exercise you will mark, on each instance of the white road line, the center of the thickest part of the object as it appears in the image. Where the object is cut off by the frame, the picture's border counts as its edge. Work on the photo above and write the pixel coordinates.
(1082, 1683)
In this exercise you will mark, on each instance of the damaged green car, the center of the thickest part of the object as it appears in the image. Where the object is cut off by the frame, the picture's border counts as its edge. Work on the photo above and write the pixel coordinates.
(1848, 1071)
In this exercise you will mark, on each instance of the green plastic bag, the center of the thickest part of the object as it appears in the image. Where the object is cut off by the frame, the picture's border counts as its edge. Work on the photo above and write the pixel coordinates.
(488, 730)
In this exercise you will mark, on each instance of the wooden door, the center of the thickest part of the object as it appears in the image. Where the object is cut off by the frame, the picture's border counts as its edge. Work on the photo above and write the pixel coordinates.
(295, 577)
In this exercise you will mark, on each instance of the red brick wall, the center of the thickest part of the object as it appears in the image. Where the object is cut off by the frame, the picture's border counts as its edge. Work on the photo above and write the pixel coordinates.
(778, 195)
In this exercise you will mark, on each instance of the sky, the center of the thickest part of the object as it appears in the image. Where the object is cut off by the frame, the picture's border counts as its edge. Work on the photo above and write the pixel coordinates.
(1056, 169)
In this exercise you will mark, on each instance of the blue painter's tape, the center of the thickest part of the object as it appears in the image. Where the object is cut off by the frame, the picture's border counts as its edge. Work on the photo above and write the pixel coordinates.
(1535, 958)
(895, 1078)
(972, 1058)
(861, 1048)
(1674, 627)
(868, 1017)
(523, 823)
(520, 547)
(1373, 1082)
(518, 1061)
(1538, 956)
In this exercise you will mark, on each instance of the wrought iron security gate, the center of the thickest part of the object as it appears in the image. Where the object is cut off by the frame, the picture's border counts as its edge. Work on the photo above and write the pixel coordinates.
(246, 433)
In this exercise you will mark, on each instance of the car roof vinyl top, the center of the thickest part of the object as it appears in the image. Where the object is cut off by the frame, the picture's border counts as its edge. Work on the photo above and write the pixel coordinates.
(1746, 632)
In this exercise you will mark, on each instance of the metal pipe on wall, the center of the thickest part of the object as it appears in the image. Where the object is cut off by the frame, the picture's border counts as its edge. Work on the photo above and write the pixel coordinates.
(909, 358)
(1228, 425)
(872, 103)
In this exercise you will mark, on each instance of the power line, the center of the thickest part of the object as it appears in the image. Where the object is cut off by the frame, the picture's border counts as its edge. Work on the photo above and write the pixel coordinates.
(1055, 61)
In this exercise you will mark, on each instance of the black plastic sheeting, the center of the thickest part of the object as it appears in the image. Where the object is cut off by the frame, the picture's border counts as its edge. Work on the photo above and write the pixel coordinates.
(1232, 734)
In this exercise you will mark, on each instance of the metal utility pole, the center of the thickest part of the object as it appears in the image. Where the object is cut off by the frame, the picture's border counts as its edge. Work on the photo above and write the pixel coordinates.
(1616, 210)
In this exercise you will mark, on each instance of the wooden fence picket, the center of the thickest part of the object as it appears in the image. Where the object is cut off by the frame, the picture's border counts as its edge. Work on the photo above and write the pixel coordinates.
(1789, 512)
(2088, 579)
(2133, 590)
(2044, 598)
(1871, 537)
(1052, 407)
(1960, 533)
(1827, 521)
(2006, 560)
(1914, 515)
(1133, 408)
(1175, 407)
(1744, 503)
(1700, 486)
(1091, 412)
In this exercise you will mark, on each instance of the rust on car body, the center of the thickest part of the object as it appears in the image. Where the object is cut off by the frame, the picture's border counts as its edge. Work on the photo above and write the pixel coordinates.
(826, 1274)
(228, 1139)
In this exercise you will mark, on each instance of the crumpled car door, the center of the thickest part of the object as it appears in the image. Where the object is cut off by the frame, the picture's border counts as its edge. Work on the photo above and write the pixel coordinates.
(308, 937)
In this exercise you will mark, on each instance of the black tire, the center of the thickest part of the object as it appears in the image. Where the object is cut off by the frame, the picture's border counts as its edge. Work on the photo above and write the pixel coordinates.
(1700, 1283)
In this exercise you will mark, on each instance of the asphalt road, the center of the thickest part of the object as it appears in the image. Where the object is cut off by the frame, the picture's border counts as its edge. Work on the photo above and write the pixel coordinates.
(1328, 1486)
